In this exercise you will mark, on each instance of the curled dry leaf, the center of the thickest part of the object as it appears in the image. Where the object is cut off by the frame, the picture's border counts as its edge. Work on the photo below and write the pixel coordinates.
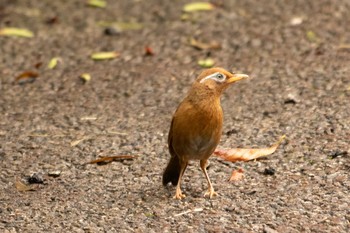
(104, 55)
(245, 154)
(198, 6)
(26, 77)
(237, 175)
(109, 159)
(201, 45)
(19, 32)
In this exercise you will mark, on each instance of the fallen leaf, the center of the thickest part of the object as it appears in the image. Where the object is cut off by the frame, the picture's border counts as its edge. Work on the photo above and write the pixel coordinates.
(201, 45)
(311, 36)
(97, 3)
(148, 51)
(26, 77)
(109, 159)
(206, 63)
(121, 26)
(244, 154)
(19, 32)
(237, 175)
(53, 62)
(85, 77)
(198, 6)
(104, 55)
(344, 46)
(22, 187)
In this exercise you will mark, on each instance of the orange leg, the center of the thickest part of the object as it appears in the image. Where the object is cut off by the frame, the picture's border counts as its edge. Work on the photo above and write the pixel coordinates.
(210, 192)
(178, 194)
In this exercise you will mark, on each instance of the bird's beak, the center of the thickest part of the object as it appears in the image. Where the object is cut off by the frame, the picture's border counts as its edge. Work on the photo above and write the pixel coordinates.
(237, 77)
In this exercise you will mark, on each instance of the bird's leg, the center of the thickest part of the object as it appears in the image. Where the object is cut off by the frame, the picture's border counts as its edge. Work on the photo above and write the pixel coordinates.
(178, 194)
(210, 192)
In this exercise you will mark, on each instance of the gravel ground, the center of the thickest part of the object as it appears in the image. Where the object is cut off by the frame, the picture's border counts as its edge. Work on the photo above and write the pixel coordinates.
(297, 53)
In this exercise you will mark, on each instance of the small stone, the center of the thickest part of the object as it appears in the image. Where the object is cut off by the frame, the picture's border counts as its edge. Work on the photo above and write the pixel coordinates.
(269, 171)
(35, 178)
(112, 31)
(54, 173)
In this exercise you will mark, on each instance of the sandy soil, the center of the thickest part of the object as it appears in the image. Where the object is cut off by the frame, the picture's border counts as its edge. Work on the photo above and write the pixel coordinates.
(300, 87)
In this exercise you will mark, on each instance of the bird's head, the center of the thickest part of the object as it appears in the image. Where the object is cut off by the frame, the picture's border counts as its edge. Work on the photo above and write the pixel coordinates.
(217, 79)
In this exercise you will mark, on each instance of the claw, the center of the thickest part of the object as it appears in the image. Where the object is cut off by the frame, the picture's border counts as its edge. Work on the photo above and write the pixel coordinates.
(179, 195)
(210, 193)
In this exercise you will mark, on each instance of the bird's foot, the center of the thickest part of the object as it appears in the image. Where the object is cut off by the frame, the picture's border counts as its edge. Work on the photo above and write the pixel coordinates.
(210, 193)
(179, 195)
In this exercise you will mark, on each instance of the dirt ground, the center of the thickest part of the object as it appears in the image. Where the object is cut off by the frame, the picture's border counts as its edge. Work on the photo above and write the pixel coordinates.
(297, 54)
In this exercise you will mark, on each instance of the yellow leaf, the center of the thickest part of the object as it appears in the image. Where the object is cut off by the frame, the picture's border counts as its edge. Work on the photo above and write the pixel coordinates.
(85, 77)
(53, 63)
(198, 6)
(20, 32)
(97, 3)
(104, 55)
(245, 154)
(206, 63)
(311, 36)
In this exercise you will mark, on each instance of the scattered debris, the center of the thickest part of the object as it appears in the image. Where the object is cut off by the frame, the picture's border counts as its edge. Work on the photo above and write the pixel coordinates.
(121, 26)
(76, 142)
(312, 37)
(269, 171)
(54, 174)
(296, 21)
(22, 187)
(18, 32)
(53, 63)
(26, 77)
(203, 46)
(198, 6)
(338, 153)
(148, 51)
(35, 178)
(85, 77)
(112, 31)
(108, 159)
(97, 3)
(237, 175)
(104, 55)
(206, 63)
(245, 154)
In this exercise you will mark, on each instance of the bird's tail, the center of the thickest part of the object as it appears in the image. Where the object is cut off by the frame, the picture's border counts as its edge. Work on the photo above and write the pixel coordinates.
(172, 171)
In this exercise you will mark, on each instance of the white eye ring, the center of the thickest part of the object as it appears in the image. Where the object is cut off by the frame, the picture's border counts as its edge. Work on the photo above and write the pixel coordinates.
(218, 77)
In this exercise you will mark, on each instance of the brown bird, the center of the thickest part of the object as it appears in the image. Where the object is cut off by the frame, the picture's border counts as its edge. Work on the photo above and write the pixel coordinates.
(196, 126)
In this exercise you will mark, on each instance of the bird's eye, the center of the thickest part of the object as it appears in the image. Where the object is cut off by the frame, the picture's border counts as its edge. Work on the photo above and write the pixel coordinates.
(220, 76)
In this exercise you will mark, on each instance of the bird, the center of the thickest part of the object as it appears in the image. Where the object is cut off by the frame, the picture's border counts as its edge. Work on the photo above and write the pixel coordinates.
(196, 126)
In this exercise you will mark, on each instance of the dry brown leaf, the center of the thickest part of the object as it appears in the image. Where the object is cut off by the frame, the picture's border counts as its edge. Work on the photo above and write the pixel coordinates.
(27, 76)
(201, 45)
(245, 154)
(109, 159)
(237, 175)
(22, 187)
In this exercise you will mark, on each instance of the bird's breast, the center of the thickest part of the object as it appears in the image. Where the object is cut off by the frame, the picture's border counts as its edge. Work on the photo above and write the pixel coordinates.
(196, 131)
